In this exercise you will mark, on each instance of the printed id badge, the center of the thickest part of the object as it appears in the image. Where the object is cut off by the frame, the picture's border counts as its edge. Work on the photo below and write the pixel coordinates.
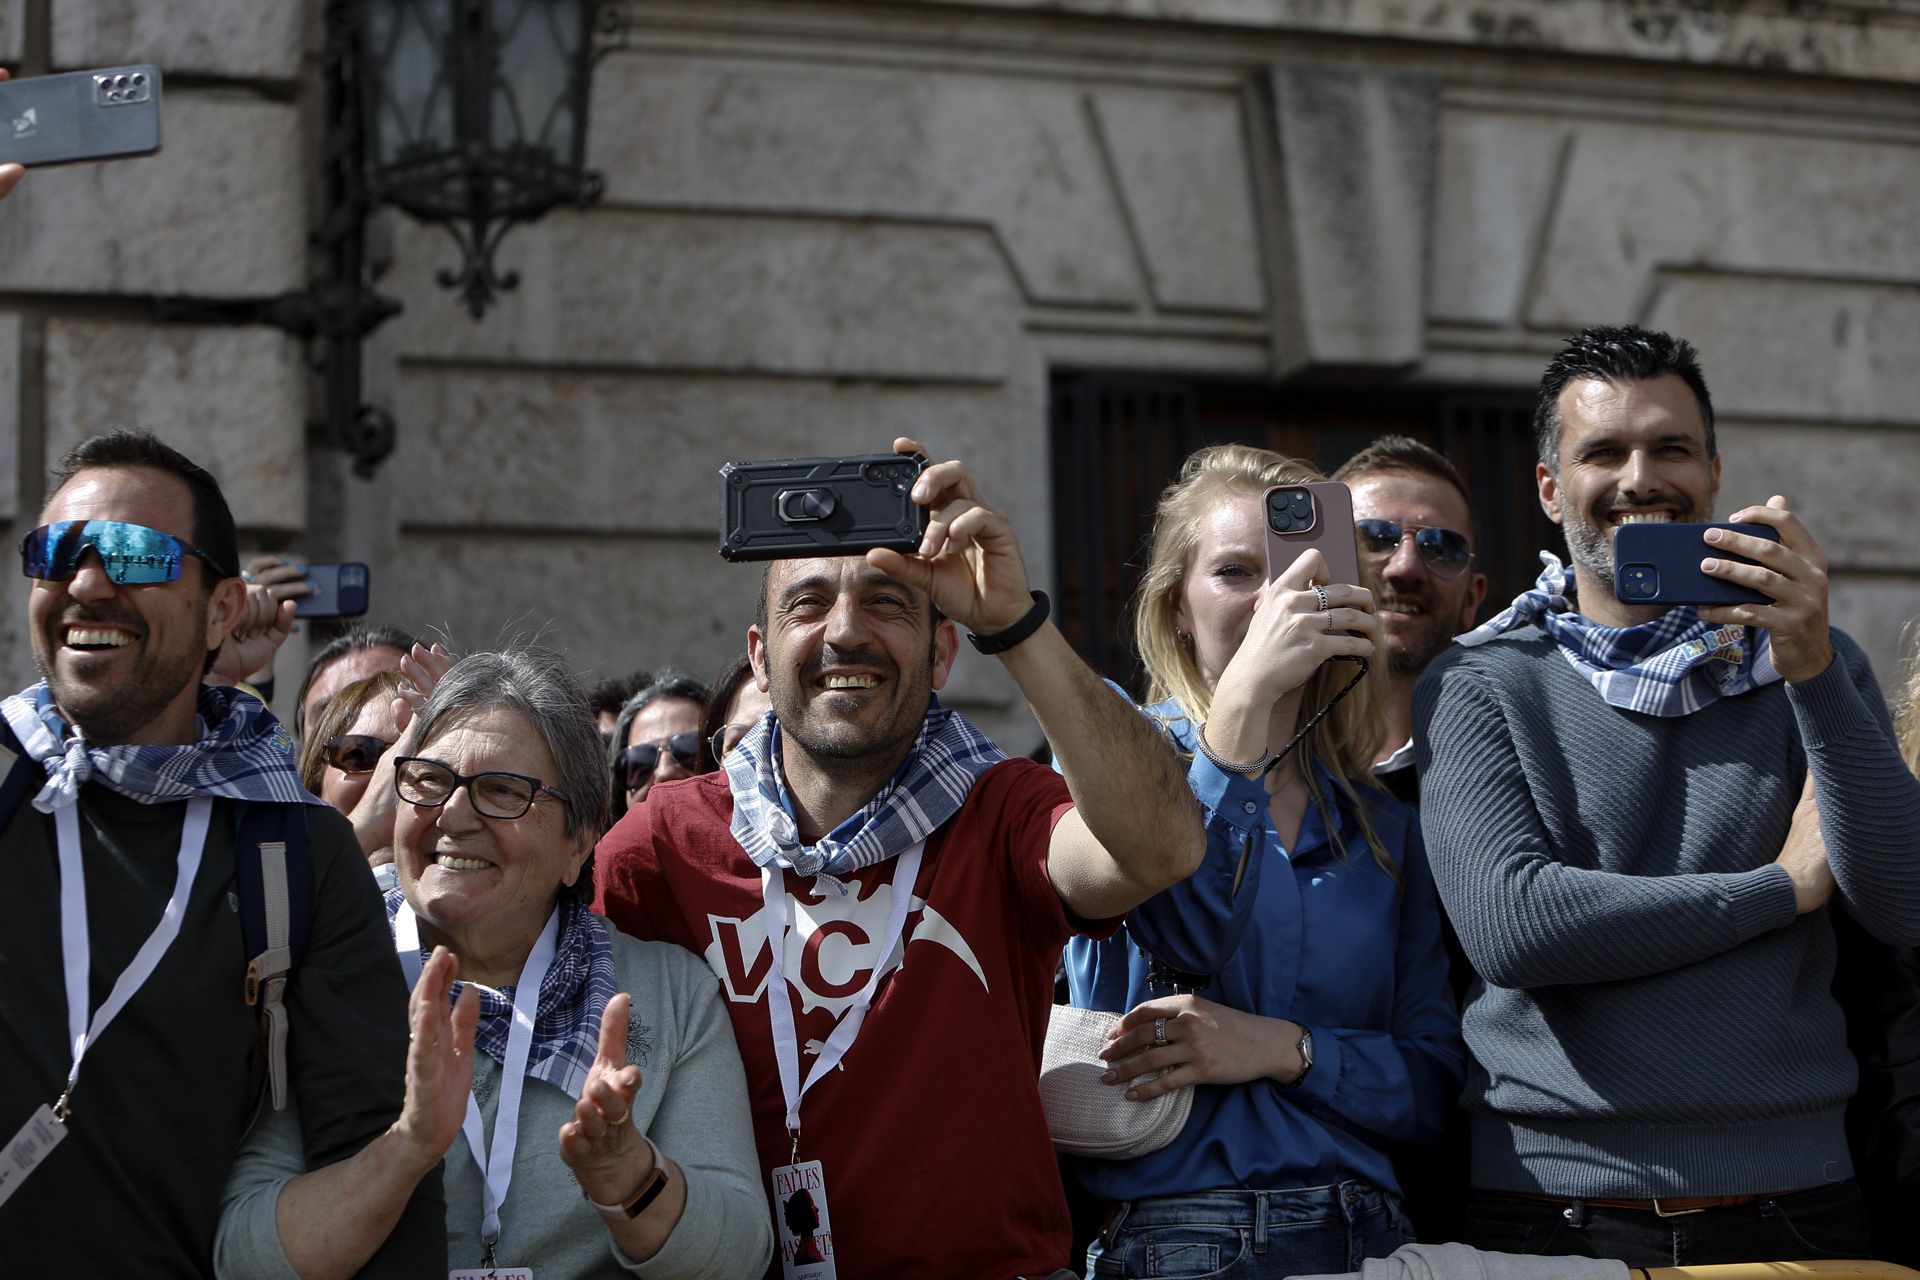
(40, 1134)
(805, 1240)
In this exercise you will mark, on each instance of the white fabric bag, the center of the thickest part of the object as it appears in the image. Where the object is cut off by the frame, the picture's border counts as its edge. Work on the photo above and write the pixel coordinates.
(1087, 1118)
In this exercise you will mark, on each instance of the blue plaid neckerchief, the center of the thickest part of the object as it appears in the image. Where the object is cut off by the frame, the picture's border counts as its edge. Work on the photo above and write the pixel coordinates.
(566, 1020)
(239, 751)
(929, 788)
(1671, 666)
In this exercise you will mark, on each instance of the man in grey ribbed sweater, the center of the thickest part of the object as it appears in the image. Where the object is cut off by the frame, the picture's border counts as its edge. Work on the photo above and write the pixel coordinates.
(1619, 806)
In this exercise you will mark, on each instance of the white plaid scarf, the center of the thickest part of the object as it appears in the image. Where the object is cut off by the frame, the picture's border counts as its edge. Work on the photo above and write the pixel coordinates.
(239, 751)
(566, 1016)
(929, 788)
(1671, 666)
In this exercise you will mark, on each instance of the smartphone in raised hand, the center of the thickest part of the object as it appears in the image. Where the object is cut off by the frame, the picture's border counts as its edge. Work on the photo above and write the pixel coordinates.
(1660, 564)
(1313, 516)
(340, 591)
(792, 508)
(105, 114)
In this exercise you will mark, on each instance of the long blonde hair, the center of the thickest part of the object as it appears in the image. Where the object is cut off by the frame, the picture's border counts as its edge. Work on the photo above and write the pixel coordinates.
(1348, 739)
(1906, 723)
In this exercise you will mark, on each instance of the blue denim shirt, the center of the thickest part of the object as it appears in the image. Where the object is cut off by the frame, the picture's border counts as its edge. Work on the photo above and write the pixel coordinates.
(1329, 942)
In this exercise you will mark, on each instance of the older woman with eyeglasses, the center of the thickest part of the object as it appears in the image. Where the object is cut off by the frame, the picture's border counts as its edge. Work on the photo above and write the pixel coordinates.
(603, 1127)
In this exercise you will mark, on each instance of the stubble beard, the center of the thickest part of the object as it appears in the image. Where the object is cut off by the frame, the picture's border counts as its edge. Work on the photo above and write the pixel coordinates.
(1408, 662)
(1589, 546)
(113, 713)
(837, 746)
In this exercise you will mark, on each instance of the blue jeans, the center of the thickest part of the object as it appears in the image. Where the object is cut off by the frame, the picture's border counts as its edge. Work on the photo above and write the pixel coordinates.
(1249, 1235)
(1825, 1222)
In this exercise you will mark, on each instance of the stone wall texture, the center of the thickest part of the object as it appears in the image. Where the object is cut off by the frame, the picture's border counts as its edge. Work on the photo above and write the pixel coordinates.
(828, 225)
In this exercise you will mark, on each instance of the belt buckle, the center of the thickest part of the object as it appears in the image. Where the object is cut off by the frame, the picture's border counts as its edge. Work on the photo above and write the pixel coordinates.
(1658, 1212)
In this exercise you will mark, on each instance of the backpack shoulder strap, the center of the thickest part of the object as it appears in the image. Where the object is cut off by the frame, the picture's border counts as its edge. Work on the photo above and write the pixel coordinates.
(21, 775)
(273, 871)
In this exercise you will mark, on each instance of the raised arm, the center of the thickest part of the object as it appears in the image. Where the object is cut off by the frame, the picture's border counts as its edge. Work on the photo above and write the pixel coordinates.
(278, 1220)
(1869, 801)
(1528, 920)
(1135, 828)
(1196, 924)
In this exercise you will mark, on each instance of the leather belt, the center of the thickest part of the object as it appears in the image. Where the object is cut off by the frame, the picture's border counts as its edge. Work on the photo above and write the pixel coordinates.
(1662, 1206)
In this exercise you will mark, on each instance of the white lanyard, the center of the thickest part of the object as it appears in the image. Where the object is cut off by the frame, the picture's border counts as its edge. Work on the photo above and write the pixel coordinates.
(496, 1165)
(786, 1046)
(75, 943)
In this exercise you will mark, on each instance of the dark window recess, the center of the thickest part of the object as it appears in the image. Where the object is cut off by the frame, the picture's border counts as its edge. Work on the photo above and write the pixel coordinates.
(1119, 440)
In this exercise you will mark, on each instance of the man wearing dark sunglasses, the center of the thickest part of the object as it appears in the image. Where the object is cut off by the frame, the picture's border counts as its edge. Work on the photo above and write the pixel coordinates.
(1415, 523)
(658, 737)
(128, 783)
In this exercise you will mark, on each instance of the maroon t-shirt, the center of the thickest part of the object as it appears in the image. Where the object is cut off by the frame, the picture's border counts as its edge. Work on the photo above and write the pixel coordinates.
(930, 1134)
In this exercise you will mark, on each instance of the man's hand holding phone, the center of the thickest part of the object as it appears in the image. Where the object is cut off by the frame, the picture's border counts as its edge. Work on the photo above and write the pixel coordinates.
(1792, 573)
(969, 559)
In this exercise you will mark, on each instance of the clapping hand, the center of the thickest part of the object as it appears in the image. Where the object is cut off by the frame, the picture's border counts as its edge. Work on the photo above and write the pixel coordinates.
(439, 1059)
(601, 1144)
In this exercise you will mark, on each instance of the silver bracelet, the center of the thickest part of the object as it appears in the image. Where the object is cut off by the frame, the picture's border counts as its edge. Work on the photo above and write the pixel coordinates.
(1258, 769)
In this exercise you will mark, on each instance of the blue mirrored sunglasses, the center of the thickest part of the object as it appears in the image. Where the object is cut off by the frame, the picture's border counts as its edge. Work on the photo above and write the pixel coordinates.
(1443, 551)
(132, 554)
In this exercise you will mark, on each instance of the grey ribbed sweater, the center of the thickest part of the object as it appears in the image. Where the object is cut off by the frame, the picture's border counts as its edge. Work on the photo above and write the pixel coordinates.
(1651, 1017)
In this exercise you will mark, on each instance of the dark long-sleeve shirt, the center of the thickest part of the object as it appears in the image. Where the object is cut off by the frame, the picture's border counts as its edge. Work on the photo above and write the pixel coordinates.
(165, 1093)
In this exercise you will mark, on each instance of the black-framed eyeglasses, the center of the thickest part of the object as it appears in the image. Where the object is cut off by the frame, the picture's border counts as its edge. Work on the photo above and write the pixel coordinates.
(638, 761)
(132, 554)
(726, 738)
(354, 752)
(1445, 551)
(494, 794)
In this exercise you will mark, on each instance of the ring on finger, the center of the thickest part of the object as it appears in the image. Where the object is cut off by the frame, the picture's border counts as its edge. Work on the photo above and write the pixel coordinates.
(620, 1119)
(1160, 1032)
(1329, 624)
(1320, 594)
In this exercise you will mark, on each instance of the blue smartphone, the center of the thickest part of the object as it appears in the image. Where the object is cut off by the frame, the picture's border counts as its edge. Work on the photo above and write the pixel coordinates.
(342, 591)
(1660, 564)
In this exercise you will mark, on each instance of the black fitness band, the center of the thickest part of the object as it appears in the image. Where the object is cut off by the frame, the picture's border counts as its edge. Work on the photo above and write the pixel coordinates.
(1001, 641)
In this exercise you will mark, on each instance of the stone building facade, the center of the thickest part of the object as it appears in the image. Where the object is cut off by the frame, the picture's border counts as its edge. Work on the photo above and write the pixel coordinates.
(829, 223)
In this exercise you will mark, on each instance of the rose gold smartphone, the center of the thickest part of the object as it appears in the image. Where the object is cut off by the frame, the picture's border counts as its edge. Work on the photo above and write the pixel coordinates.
(1317, 516)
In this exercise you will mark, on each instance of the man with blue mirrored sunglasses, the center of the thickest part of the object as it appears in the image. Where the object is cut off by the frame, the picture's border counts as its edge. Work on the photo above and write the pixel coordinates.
(132, 1022)
(131, 554)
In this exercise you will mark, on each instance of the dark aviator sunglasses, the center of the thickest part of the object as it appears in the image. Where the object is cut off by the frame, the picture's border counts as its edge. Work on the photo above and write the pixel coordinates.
(1444, 551)
(638, 761)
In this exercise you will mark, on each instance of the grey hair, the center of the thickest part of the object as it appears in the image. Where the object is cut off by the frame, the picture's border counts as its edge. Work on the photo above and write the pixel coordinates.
(539, 686)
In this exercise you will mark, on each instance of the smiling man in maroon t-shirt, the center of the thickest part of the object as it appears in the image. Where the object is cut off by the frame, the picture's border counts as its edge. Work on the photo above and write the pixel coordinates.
(895, 1081)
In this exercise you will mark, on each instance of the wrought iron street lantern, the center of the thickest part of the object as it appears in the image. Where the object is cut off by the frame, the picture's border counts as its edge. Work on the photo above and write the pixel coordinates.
(476, 117)
(469, 114)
